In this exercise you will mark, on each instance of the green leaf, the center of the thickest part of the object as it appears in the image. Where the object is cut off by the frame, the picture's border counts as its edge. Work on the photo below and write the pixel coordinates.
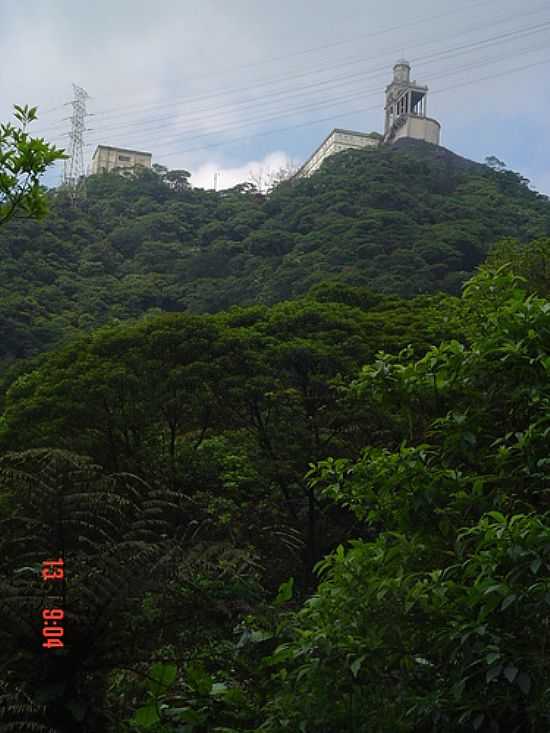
(234, 696)
(286, 591)
(161, 678)
(535, 565)
(258, 636)
(355, 666)
(458, 689)
(146, 716)
(199, 679)
(281, 654)
(508, 601)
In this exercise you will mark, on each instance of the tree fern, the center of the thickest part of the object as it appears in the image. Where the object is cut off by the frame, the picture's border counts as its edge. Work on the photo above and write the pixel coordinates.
(111, 531)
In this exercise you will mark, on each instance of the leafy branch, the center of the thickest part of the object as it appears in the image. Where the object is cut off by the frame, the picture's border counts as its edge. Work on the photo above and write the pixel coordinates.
(23, 160)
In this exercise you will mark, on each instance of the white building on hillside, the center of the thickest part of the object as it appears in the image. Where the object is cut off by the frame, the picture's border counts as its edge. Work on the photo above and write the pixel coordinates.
(336, 141)
(405, 116)
(107, 158)
(405, 108)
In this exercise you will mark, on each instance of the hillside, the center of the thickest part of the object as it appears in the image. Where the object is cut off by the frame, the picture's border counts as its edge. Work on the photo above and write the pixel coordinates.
(403, 220)
(321, 509)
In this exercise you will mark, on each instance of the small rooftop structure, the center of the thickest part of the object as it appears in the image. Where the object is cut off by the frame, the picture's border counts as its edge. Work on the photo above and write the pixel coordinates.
(107, 158)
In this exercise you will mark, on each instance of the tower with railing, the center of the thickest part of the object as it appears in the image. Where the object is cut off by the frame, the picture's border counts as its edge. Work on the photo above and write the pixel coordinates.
(405, 108)
(405, 116)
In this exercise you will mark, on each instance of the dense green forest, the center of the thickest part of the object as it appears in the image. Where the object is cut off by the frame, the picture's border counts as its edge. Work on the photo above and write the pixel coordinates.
(298, 475)
(403, 220)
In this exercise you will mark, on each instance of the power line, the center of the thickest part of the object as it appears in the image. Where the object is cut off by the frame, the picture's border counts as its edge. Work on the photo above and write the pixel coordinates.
(145, 129)
(497, 40)
(337, 100)
(411, 24)
(279, 80)
(375, 91)
(345, 114)
(431, 18)
(52, 109)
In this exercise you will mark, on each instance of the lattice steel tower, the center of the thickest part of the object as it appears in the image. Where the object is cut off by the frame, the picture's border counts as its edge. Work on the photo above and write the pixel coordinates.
(74, 164)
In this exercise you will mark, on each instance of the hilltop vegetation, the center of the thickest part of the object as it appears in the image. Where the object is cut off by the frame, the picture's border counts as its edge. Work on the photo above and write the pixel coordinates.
(403, 220)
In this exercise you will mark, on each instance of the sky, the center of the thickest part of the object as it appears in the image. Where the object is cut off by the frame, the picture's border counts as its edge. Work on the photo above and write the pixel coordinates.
(238, 89)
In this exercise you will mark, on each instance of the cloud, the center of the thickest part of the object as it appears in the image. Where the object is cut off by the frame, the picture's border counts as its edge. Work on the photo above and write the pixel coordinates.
(243, 60)
(227, 177)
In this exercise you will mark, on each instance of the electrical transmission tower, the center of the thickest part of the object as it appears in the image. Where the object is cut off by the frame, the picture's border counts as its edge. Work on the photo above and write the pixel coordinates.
(74, 164)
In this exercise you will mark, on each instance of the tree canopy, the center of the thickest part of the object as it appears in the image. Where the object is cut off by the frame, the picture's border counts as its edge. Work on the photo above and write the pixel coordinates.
(402, 220)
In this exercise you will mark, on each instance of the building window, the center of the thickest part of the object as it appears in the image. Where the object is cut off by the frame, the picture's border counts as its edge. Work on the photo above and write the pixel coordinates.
(125, 158)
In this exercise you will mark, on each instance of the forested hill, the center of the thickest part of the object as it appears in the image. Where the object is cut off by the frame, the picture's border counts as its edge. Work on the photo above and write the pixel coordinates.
(409, 219)
(320, 515)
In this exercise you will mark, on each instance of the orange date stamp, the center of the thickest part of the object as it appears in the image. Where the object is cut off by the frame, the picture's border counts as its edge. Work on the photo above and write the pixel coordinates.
(53, 631)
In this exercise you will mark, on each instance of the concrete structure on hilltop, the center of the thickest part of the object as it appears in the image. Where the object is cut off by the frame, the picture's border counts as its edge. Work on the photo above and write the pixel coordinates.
(405, 116)
(336, 141)
(405, 108)
(107, 158)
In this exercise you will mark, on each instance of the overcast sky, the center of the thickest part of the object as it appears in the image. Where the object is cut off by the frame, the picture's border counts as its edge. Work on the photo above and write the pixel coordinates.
(236, 86)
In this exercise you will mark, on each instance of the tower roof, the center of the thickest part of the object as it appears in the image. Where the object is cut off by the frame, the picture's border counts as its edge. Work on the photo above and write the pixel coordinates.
(402, 62)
